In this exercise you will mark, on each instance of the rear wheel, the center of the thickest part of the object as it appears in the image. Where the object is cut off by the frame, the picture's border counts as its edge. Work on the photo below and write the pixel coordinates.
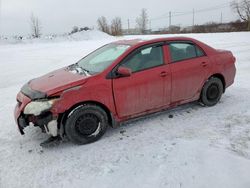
(211, 92)
(86, 124)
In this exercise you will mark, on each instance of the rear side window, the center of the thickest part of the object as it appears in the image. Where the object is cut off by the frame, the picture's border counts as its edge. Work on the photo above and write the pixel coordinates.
(181, 51)
(199, 52)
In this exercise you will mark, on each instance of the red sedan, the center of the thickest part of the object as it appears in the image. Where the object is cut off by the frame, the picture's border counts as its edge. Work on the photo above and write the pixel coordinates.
(123, 80)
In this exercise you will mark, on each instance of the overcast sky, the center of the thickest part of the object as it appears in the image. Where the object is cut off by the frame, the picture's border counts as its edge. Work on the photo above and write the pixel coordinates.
(59, 16)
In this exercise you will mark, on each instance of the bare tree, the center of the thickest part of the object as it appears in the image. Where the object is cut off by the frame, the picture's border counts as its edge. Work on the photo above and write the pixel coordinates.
(243, 10)
(35, 26)
(116, 26)
(103, 24)
(142, 21)
(75, 29)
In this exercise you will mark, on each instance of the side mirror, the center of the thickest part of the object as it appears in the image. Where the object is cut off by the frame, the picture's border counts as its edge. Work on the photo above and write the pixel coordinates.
(124, 72)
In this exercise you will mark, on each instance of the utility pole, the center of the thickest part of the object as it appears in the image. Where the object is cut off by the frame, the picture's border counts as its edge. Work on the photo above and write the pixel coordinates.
(128, 27)
(170, 14)
(193, 18)
(221, 16)
(193, 21)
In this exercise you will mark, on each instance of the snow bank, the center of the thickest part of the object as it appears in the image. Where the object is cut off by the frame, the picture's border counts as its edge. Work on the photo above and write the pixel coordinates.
(89, 35)
(79, 36)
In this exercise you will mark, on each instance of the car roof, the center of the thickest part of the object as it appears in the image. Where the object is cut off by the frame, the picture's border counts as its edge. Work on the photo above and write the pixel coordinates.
(145, 41)
(129, 42)
(136, 43)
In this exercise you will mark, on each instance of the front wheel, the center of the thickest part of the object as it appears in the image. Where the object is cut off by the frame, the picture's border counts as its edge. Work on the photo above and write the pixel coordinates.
(211, 92)
(86, 124)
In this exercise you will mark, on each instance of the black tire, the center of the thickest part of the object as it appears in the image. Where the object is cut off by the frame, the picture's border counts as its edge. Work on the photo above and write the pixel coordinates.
(211, 92)
(86, 124)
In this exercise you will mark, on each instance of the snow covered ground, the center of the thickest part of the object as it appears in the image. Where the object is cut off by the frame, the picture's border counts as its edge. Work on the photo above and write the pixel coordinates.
(78, 36)
(198, 148)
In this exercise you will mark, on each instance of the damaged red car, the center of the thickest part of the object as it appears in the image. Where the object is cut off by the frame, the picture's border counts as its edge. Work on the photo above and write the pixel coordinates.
(123, 80)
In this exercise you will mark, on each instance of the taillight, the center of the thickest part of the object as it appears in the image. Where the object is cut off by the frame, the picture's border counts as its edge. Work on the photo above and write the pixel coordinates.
(234, 59)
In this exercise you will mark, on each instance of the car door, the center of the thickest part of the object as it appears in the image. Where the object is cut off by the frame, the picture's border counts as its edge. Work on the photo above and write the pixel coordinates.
(189, 68)
(148, 87)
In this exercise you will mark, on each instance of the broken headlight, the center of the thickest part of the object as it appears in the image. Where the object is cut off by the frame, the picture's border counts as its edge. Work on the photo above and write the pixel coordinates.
(37, 107)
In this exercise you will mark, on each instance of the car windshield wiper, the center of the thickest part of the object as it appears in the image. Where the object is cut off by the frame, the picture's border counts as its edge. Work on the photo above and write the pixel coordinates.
(86, 71)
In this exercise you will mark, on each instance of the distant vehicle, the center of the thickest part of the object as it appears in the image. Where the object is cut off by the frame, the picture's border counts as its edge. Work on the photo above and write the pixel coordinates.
(121, 81)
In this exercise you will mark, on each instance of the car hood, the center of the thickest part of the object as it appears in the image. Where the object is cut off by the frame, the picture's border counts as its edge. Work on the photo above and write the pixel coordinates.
(57, 81)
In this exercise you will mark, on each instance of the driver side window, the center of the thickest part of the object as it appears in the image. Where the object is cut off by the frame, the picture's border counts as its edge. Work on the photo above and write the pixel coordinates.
(145, 58)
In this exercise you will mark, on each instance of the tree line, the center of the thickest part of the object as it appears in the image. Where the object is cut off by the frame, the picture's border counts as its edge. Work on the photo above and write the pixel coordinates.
(115, 28)
(241, 8)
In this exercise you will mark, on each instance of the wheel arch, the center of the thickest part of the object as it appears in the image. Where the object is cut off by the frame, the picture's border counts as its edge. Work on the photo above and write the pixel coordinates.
(221, 77)
(63, 117)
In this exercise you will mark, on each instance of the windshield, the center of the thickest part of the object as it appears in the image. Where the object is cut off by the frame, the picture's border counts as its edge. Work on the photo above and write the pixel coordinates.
(100, 59)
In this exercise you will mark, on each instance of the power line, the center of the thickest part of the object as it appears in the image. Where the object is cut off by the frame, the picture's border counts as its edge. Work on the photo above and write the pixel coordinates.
(192, 12)
(176, 14)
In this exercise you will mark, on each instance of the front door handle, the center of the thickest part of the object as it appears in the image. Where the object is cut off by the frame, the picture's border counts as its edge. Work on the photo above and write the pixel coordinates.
(163, 74)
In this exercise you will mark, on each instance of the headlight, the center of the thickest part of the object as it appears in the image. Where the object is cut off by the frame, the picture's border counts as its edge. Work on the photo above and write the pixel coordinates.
(37, 107)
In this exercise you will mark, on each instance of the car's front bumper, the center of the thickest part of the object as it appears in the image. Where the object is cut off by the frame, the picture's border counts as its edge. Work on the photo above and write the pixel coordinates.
(47, 121)
(22, 101)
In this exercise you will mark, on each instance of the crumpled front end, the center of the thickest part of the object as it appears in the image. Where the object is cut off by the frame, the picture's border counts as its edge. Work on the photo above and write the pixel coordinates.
(22, 101)
(33, 108)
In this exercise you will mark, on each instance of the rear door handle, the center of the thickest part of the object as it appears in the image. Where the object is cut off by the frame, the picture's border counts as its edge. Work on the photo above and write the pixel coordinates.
(163, 74)
(204, 64)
